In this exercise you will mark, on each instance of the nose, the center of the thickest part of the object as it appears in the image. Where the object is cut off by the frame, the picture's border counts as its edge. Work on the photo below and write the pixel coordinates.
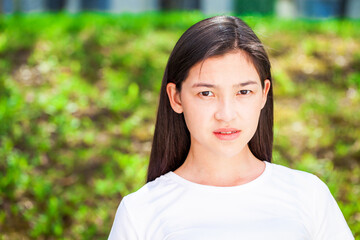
(226, 110)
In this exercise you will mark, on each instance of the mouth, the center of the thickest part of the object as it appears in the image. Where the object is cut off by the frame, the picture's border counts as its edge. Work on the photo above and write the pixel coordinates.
(227, 133)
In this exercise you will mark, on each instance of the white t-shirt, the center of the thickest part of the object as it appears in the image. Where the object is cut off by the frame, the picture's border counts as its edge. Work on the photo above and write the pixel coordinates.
(281, 203)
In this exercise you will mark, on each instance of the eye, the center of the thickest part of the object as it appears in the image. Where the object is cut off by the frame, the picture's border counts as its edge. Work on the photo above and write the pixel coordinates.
(206, 94)
(244, 92)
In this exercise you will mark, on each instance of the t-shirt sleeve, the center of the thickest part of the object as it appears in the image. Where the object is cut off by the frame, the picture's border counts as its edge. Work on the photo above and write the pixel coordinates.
(122, 228)
(330, 223)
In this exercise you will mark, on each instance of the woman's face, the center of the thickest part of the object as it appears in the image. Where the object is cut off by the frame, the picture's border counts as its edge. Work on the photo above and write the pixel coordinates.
(221, 101)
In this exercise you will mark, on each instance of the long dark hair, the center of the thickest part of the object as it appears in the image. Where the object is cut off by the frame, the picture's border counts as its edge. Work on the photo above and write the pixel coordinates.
(210, 37)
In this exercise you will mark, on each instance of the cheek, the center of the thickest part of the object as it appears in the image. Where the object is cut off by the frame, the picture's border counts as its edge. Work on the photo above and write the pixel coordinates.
(197, 115)
(250, 111)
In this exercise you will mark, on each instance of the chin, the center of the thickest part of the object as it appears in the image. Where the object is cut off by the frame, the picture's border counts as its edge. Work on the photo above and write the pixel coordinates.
(229, 152)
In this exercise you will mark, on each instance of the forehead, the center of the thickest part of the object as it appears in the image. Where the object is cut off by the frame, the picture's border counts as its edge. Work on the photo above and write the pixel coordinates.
(225, 69)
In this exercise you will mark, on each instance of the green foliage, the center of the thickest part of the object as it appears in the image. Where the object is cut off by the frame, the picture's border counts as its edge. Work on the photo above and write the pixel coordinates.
(78, 96)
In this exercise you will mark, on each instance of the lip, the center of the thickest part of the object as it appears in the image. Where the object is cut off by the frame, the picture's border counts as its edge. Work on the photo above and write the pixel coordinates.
(231, 136)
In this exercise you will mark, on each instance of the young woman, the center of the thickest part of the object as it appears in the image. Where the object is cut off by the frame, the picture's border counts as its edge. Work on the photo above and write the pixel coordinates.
(210, 174)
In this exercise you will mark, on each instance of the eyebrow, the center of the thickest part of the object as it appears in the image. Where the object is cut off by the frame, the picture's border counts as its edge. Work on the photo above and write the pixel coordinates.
(215, 86)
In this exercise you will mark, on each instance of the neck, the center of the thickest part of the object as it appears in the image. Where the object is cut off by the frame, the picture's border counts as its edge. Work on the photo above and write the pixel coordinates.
(228, 170)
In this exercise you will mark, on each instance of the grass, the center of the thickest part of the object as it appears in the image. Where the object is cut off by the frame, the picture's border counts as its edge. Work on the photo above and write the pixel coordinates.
(78, 96)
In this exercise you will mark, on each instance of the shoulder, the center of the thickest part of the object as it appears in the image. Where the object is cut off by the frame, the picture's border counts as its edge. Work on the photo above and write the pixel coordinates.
(313, 196)
(151, 193)
(296, 182)
(142, 204)
(294, 176)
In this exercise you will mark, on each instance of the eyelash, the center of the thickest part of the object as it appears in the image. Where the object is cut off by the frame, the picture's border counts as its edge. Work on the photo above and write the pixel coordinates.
(201, 93)
(248, 92)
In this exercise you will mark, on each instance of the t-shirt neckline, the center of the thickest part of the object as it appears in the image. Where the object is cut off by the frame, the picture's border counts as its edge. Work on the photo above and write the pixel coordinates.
(189, 184)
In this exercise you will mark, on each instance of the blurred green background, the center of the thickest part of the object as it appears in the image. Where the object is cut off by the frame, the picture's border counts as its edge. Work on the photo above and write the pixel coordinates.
(78, 98)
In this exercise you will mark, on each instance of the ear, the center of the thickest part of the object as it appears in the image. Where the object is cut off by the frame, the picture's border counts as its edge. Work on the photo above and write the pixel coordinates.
(174, 97)
(265, 92)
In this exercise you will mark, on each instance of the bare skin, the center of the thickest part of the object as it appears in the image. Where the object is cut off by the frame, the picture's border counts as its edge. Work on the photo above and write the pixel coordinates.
(224, 92)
